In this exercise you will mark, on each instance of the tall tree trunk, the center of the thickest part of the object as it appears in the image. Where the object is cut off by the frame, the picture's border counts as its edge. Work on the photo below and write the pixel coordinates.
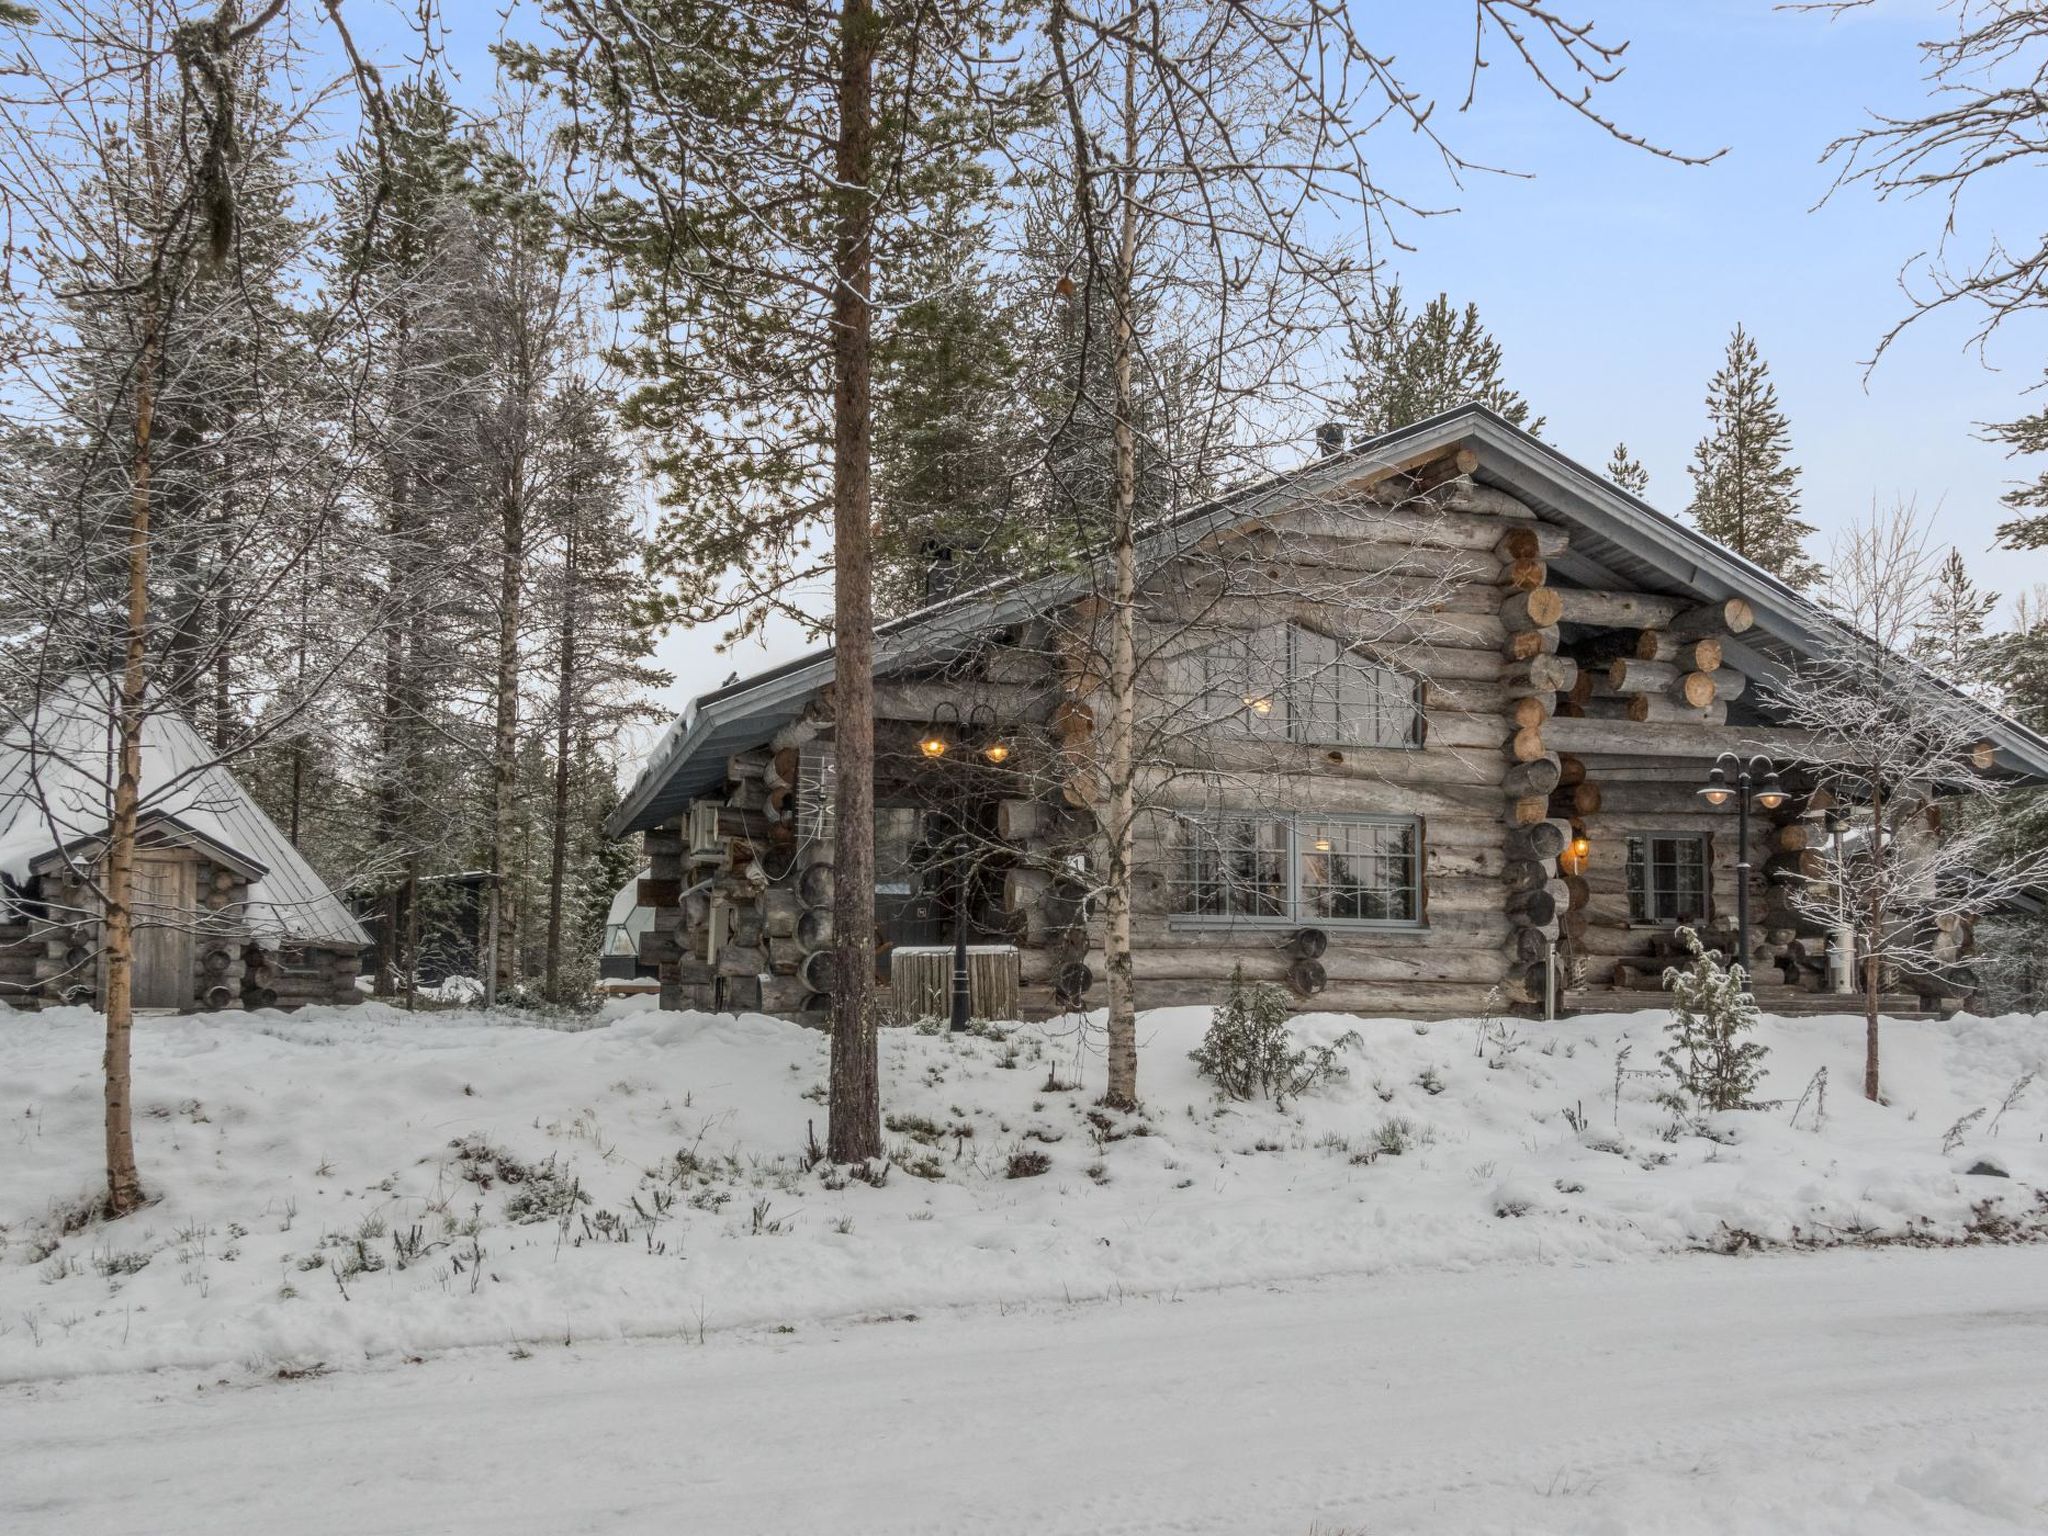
(854, 1131)
(1122, 1089)
(505, 738)
(565, 682)
(1873, 966)
(124, 1181)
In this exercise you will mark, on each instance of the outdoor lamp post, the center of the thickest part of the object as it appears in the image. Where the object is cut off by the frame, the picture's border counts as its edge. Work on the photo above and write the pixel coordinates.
(1761, 773)
(994, 750)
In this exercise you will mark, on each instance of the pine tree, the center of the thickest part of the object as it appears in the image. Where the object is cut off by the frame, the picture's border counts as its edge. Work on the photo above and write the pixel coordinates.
(1627, 471)
(1745, 491)
(1712, 1015)
(1405, 367)
(2028, 435)
(1951, 638)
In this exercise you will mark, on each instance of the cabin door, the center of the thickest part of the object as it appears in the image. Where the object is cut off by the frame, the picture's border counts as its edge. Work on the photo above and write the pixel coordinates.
(164, 913)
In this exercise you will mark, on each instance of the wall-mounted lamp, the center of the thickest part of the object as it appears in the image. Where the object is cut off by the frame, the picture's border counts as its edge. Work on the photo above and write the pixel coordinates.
(937, 739)
(981, 724)
(1573, 860)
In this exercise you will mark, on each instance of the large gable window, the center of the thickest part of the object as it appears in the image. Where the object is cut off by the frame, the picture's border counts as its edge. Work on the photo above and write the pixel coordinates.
(1286, 682)
(1302, 869)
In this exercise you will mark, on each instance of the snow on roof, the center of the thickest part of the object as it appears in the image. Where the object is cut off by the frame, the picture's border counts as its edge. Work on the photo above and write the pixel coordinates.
(57, 772)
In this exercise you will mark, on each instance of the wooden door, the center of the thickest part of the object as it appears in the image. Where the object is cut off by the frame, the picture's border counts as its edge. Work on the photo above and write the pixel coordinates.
(163, 933)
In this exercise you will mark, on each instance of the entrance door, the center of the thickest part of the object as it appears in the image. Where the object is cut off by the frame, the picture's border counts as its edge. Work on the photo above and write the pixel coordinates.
(163, 933)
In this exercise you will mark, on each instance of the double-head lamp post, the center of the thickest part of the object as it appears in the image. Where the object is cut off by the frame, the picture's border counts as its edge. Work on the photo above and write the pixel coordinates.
(995, 751)
(1761, 775)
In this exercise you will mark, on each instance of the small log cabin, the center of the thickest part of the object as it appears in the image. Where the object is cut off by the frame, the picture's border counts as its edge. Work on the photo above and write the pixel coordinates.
(1419, 724)
(228, 914)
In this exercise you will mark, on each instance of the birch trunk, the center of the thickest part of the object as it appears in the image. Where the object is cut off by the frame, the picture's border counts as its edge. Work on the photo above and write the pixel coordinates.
(854, 1125)
(1122, 1091)
(124, 1181)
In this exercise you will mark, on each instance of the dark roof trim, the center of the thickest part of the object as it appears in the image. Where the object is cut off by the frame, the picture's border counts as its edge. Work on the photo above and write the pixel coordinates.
(689, 758)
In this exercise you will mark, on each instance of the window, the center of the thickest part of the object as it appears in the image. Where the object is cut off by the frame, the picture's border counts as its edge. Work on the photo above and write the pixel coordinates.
(1287, 683)
(1667, 879)
(1301, 869)
(1236, 867)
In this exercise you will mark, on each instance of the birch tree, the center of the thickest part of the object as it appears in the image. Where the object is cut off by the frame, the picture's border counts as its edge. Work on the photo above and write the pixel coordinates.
(1916, 857)
(129, 135)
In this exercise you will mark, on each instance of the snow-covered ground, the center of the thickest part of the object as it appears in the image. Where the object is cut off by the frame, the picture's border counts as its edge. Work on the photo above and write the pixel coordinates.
(1851, 1392)
(354, 1187)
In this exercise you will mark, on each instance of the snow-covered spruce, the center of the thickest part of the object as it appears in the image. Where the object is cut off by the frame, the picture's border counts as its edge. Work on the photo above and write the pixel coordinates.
(342, 1184)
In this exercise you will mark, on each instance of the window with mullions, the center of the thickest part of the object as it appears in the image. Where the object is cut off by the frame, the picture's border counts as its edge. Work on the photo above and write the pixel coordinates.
(1302, 869)
(1287, 683)
(1667, 879)
(1235, 866)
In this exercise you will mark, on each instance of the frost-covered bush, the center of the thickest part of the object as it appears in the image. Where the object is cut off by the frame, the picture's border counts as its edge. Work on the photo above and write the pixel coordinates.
(1248, 1050)
(1711, 1053)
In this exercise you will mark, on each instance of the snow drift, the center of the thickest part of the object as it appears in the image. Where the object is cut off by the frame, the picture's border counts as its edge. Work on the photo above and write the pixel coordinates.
(342, 1184)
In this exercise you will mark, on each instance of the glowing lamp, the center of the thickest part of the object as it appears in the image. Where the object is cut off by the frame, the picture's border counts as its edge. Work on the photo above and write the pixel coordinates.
(1259, 704)
(1322, 845)
(1772, 794)
(997, 751)
(1716, 791)
(1576, 853)
(932, 744)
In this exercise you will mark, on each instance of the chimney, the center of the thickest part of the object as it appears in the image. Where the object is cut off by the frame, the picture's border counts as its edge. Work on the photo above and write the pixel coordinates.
(941, 576)
(1330, 438)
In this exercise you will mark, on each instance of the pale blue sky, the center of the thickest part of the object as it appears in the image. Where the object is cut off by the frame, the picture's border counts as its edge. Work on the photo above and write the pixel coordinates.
(1612, 278)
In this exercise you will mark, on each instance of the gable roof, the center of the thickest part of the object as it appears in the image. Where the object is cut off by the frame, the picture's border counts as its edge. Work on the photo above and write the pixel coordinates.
(1618, 541)
(57, 775)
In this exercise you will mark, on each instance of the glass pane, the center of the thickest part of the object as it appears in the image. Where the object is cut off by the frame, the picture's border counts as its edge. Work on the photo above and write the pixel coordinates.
(1244, 683)
(1236, 867)
(1361, 871)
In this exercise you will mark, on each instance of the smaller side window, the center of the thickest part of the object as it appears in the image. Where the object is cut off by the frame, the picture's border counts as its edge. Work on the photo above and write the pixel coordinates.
(1667, 879)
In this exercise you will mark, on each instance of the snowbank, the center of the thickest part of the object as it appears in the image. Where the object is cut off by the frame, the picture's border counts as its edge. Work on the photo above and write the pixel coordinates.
(343, 1184)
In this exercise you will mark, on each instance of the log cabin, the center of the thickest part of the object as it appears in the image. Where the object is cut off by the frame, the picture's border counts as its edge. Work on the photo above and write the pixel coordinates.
(1419, 727)
(228, 914)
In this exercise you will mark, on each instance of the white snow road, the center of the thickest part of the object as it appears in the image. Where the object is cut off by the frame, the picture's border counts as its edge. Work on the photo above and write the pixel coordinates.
(1866, 1392)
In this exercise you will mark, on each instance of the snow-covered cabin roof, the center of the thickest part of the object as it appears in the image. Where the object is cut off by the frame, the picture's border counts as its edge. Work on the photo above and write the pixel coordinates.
(57, 772)
(1618, 541)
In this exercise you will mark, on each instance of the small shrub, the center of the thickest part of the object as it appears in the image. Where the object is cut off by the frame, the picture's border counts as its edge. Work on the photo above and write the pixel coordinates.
(1395, 1135)
(1027, 1163)
(547, 1194)
(1248, 1050)
(1712, 1016)
(917, 1127)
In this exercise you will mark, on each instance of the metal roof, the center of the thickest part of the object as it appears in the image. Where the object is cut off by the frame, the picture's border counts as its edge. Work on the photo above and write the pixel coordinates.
(1618, 541)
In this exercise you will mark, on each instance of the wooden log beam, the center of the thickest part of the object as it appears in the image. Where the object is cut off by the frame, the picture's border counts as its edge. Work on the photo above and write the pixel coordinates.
(1618, 610)
(1541, 674)
(1690, 655)
(1538, 776)
(1532, 541)
(1594, 738)
(1521, 644)
(1646, 707)
(1732, 616)
(1538, 608)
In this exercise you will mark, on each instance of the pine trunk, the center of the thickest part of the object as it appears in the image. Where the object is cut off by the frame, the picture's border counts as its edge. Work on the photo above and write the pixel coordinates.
(565, 681)
(505, 738)
(854, 1132)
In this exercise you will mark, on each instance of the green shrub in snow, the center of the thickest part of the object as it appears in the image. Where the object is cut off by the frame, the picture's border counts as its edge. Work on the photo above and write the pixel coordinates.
(1712, 1017)
(1248, 1050)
